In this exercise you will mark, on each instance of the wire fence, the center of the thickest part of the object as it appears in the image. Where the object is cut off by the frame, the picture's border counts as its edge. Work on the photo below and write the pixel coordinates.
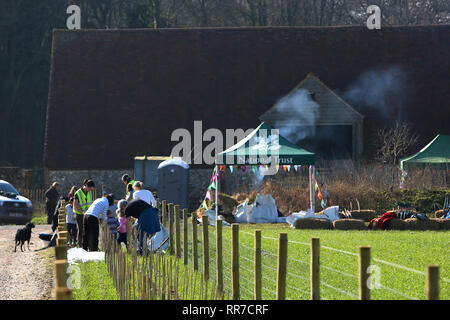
(343, 281)
(233, 264)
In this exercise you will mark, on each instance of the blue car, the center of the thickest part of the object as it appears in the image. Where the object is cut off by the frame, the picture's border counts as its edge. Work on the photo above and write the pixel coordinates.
(14, 208)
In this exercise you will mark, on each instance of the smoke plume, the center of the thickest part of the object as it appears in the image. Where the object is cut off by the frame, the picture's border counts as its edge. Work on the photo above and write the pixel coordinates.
(384, 89)
(303, 110)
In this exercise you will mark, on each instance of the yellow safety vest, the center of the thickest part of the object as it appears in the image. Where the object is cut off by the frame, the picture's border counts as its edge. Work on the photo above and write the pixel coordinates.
(85, 200)
(131, 182)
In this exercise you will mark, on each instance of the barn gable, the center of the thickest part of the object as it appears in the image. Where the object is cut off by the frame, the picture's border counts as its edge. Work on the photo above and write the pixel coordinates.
(332, 111)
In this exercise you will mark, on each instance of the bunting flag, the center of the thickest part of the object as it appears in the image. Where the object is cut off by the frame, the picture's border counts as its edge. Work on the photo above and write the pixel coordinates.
(284, 168)
(289, 168)
(208, 195)
(205, 205)
(316, 187)
(321, 184)
(278, 167)
(212, 186)
(319, 195)
(253, 169)
(231, 169)
(322, 204)
(326, 193)
(296, 168)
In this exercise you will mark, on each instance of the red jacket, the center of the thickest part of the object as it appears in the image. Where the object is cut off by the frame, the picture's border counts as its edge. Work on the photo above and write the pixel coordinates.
(383, 221)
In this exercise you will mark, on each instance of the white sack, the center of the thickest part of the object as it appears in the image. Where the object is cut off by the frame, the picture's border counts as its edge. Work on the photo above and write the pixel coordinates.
(242, 212)
(264, 210)
(75, 255)
(158, 239)
(331, 214)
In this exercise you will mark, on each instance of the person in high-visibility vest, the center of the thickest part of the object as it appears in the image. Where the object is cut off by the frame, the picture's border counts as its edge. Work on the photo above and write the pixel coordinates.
(129, 187)
(83, 199)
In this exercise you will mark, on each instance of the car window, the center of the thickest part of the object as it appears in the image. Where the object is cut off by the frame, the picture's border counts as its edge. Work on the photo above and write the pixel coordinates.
(6, 187)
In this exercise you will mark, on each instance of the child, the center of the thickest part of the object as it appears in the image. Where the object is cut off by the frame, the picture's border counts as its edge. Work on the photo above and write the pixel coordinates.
(112, 222)
(71, 223)
(122, 228)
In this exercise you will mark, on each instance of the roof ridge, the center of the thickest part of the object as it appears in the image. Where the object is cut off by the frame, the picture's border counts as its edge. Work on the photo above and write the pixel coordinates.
(337, 27)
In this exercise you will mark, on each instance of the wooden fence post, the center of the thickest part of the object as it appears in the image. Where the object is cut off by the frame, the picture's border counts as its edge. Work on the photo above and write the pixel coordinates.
(194, 241)
(164, 212)
(219, 255)
(61, 252)
(235, 262)
(258, 265)
(315, 269)
(205, 247)
(61, 291)
(177, 232)
(185, 237)
(158, 206)
(171, 246)
(433, 282)
(364, 263)
(61, 241)
(64, 234)
(282, 266)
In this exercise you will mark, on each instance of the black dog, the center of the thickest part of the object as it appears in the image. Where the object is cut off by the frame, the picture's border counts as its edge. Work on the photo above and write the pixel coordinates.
(23, 235)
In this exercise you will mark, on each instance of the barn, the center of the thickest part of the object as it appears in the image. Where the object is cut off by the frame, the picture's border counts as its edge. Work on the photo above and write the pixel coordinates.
(115, 94)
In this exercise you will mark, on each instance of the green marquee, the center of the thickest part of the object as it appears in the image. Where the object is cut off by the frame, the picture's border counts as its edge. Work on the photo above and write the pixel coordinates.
(263, 145)
(437, 152)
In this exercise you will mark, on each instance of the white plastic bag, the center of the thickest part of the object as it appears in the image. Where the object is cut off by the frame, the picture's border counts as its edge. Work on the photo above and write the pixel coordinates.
(242, 210)
(331, 214)
(264, 210)
(299, 215)
(156, 242)
(75, 255)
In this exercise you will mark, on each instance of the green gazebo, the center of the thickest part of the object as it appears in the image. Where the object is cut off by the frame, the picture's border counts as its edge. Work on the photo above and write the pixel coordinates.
(436, 153)
(265, 146)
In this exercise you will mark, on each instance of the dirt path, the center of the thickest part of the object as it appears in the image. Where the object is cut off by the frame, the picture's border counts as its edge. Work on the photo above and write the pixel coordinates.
(24, 275)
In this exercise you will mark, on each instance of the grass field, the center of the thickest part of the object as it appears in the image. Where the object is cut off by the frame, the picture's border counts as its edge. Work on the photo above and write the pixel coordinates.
(401, 257)
(95, 283)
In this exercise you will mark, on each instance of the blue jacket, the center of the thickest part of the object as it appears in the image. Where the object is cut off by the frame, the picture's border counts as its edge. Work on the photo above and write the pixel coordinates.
(148, 221)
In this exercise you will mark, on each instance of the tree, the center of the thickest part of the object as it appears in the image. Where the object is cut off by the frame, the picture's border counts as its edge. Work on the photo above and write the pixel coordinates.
(25, 41)
(394, 143)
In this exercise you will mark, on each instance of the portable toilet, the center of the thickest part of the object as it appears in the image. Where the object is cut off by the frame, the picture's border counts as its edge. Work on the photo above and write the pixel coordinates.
(146, 170)
(173, 182)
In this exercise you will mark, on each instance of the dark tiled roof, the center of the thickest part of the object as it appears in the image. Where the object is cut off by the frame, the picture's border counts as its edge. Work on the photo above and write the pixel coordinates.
(115, 94)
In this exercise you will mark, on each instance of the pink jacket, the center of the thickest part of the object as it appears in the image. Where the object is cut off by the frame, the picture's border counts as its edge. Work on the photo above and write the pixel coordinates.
(123, 225)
